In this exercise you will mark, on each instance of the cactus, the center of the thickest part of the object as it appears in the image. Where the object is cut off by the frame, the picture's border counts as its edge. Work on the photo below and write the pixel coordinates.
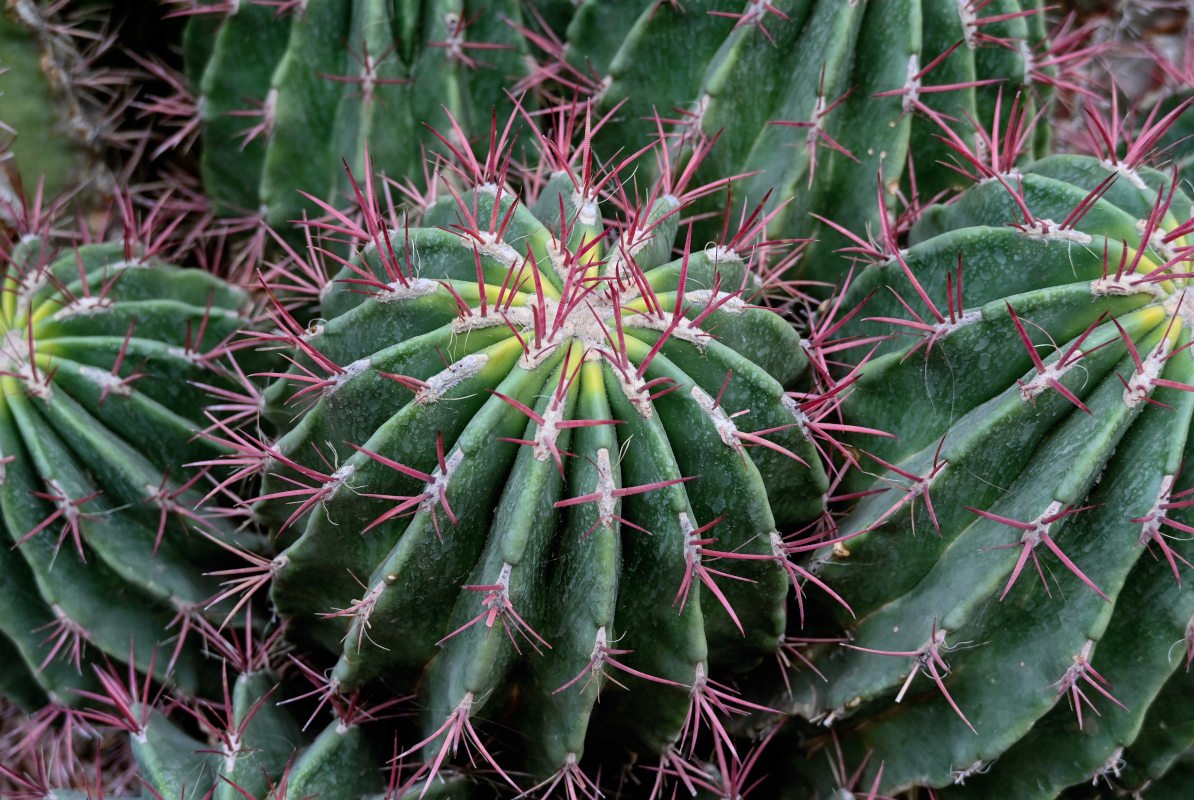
(252, 742)
(808, 100)
(1029, 519)
(27, 120)
(105, 354)
(288, 92)
(263, 753)
(539, 457)
(285, 96)
(260, 748)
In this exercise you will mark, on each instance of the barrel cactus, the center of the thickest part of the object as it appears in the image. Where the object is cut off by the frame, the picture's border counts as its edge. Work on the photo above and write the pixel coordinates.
(533, 458)
(1032, 627)
(869, 87)
(105, 356)
(286, 91)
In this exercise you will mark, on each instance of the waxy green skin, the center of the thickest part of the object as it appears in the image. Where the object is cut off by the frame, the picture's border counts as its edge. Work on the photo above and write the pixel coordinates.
(93, 442)
(560, 540)
(739, 70)
(266, 754)
(336, 78)
(286, 99)
(989, 444)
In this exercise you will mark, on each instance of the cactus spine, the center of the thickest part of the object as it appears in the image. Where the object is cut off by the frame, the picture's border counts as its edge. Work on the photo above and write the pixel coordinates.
(100, 349)
(1029, 517)
(535, 450)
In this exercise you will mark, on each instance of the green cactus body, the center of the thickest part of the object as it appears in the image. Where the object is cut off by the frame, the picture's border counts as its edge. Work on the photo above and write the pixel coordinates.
(1031, 609)
(259, 751)
(542, 456)
(29, 121)
(97, 417)
(286, 99)
(811, 99)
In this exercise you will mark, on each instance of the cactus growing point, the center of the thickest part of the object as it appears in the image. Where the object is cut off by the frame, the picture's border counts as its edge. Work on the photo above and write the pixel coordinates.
(535, 454)
(102, 352)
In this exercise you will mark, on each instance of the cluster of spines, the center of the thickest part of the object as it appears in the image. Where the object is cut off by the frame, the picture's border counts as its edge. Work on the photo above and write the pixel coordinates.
(585, 319)
(800, 130)
(109, 533)
(1084, 361)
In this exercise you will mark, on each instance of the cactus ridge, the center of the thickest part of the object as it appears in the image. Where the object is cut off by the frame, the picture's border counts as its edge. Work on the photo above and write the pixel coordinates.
(1051, 356)
(884, 78)
(537, 450)
(285, 96)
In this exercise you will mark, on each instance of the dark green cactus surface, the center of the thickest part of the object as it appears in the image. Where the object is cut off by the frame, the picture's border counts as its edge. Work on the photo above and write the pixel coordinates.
(260, 751)
(289, 92)
(1020, 577)
(792, 89)
(533, 461)
(29, 126)
(100, 365)
(809, 98)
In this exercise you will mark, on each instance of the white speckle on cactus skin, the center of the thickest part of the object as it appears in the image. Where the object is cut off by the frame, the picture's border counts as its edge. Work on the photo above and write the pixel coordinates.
(1048, 230)
(1122, 286)
(495, 248)
(720, 254)
(438, 487)
(729, 303)
(348, 373)
(397, 290)
(911, 86)
(442, 382)
(84, 305)
(1127, 173)
(1140, 385)
(969, 22)
(548, 431)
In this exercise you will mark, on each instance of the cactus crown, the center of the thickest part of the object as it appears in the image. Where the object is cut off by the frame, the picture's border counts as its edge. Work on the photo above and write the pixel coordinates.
(531, 447)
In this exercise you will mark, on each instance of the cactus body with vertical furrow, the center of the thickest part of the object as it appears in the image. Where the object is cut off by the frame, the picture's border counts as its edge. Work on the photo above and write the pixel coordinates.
(1029, 521)
(538, 460)
(287, 98)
